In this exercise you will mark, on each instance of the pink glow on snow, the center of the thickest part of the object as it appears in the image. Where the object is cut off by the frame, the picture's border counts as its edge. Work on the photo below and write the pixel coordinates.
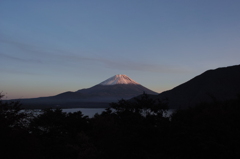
(118, 79)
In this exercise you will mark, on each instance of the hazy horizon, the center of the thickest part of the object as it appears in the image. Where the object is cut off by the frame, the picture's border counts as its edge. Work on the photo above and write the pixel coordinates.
(48, 47)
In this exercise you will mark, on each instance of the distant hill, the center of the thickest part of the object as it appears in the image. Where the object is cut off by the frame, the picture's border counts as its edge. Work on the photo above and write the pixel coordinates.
(213, 85)
(111, 90)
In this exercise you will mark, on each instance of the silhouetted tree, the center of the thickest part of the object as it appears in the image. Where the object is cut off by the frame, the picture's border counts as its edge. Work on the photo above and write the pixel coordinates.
(15, 140)
(142, 104)
(134, 128)
(62, 135)
(11, 115)
(209, 129)
(130, 129)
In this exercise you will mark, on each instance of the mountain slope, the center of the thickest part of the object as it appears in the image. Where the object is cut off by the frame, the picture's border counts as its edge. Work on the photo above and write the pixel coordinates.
(219, 84)
(111, 90)
(117, 86)
(120, 90)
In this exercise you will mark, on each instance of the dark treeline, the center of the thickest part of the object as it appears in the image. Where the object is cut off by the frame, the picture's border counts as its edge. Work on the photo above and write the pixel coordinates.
(125, 130)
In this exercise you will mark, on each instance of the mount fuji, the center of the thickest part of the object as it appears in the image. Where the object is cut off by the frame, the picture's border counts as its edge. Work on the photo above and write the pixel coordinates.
(111, 90)
(120, 86)
(119, 79)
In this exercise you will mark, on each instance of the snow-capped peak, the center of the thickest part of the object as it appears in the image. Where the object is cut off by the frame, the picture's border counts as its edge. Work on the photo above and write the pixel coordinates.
(118, 79)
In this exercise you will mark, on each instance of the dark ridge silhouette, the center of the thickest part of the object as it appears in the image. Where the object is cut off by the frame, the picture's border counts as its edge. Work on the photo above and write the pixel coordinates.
(213, 85)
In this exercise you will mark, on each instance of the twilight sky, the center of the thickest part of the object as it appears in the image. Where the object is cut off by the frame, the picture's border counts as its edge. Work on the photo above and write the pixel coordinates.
(51, 46)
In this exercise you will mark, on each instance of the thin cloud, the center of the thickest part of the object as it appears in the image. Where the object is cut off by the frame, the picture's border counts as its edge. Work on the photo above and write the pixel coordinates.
(126, 64)
(19, 59)
(141, 66)
(28, 49)
(58, 57)
(14, 71)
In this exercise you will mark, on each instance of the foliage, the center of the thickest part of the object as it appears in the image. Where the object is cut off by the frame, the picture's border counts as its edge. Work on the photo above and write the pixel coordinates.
(130, 129)
(14, 135)
(62, 134)
(10, 114)
(143, 105)
(127, 129)
(208, 128)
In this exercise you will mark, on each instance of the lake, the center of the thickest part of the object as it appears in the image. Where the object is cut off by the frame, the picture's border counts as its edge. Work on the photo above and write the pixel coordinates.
(90, 112)
(86, 111)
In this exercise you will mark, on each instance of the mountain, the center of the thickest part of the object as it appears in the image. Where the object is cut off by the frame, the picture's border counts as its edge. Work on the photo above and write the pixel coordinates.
(213, 85)
(119, 79)
(111, 90)
(117, 86)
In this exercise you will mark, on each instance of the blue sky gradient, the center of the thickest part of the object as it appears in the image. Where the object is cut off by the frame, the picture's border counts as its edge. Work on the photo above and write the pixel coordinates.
(49, 47)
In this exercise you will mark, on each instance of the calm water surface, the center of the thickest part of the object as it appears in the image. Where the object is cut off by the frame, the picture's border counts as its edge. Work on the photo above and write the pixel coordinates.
(86, 111)
(90, 112)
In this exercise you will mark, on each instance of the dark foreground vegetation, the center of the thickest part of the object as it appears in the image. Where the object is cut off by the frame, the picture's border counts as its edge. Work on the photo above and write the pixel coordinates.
(125, 130)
